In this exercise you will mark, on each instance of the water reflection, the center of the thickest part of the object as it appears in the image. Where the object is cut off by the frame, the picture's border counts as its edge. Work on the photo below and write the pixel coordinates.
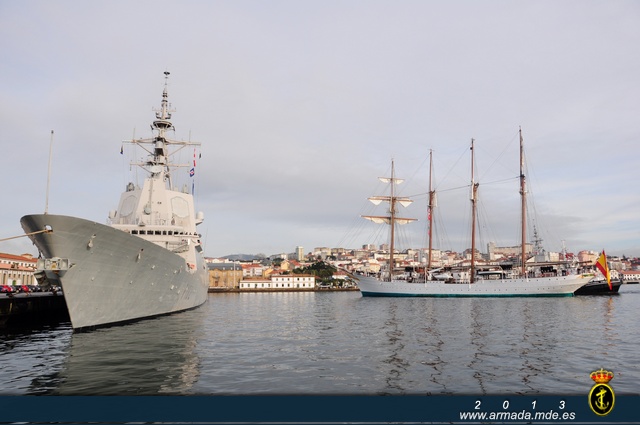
(154, 356)
(396, 365)
(30, 355)
(432, 358)
(537, 343)
(479, 342)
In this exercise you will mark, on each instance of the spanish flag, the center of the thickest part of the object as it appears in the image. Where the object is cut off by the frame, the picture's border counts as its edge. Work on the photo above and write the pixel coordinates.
(601, 265)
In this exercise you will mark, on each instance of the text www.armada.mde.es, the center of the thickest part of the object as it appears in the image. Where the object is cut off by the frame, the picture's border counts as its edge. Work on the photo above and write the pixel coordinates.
(517, 416)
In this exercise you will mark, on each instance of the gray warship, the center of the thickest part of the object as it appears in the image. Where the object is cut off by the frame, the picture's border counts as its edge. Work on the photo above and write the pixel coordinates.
(147, 259)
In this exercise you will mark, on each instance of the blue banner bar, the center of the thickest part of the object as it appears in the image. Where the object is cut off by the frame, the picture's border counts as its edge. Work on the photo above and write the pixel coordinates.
(317, 409)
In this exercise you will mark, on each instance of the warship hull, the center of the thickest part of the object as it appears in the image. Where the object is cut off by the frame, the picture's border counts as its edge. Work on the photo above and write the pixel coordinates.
(110, 276)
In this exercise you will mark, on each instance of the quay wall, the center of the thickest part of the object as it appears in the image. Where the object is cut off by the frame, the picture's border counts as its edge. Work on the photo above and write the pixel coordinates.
(21, 308)
(239, 290)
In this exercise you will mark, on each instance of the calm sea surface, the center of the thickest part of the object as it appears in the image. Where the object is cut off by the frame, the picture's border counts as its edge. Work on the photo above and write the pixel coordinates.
(339, 344)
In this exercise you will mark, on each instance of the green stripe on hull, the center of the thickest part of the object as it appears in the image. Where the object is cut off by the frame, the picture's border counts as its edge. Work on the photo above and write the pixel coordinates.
(392, 295)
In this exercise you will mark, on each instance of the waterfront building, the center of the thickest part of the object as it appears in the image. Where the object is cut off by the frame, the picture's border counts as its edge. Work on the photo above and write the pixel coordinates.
(17, 269)
(280, 281)
(255, 283)
(630, 276)
(340, 275)
(224, 275)
(294, 281)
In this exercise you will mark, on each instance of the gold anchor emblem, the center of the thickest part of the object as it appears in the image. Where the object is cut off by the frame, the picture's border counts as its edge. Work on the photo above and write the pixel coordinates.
(601, 404)
(601, 396)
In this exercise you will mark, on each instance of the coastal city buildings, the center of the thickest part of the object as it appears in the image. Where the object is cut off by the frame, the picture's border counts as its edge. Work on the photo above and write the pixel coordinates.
(370, 259)
(255, 275)
(495, 252)
(279, 271)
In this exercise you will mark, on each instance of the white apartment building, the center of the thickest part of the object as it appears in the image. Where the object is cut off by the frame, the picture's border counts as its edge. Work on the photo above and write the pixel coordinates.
(252, 270)
(630, 275)
(288, 281)
(299, 253)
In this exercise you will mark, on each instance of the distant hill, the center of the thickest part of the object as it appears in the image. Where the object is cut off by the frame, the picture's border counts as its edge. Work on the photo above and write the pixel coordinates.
(244, 257)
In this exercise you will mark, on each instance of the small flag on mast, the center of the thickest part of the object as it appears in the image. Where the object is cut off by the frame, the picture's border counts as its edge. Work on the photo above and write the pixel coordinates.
(192, 172)
(601, 265)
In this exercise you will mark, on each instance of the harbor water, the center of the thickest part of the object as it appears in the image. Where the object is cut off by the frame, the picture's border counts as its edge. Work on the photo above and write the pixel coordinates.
(338, 343)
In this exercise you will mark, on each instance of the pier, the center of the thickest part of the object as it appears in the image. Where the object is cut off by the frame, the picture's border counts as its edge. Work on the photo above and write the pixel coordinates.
(32, 307)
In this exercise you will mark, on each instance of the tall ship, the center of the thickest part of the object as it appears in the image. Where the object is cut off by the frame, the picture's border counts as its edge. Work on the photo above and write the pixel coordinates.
(468, 281)
(146, 261)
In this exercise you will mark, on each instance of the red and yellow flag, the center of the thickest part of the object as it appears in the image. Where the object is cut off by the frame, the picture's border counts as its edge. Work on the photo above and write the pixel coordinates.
(601, 265)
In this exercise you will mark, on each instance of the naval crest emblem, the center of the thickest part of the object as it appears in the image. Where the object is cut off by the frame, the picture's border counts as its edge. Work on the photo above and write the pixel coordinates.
(601, 396)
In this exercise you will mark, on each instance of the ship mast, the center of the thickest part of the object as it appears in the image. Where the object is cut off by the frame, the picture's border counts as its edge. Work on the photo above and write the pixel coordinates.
(46, 204)
(474, 193)
(162, 125)
(392, 219)
(159, 164)
(523, 196)
(392, 211)
(432, 194)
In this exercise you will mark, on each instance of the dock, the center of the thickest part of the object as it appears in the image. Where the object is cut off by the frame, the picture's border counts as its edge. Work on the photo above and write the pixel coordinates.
(224, 290)
(32, 307)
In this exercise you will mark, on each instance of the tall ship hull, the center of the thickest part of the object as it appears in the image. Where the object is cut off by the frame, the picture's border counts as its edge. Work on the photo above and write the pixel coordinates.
(146, 261)
(533, 287)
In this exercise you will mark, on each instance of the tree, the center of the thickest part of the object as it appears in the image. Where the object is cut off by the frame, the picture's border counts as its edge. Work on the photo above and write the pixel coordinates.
(321, 270)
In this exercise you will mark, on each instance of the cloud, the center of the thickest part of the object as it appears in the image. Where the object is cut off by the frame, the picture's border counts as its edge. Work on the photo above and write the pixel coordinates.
(300, 106)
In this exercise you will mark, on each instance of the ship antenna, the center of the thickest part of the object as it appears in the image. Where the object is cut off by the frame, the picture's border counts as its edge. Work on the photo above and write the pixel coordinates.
(46, 205)
(162, 124)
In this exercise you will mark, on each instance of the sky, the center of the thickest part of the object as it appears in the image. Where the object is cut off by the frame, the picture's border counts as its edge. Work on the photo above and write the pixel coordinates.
(301, 105)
